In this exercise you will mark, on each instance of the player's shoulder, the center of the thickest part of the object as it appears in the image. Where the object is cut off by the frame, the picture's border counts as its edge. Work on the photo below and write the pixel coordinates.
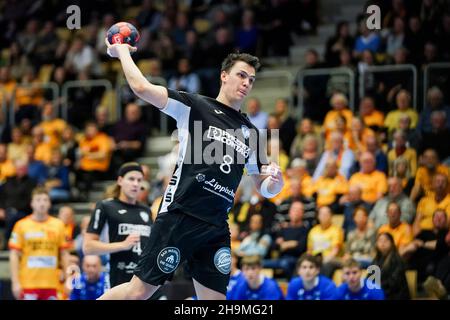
(55, 221)
(184, 97)
(326, 282)
(108, 202)
(296, 281)
(23, 223)
(142, 207)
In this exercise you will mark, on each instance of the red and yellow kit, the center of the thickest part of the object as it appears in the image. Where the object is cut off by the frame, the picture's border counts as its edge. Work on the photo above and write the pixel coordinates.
(40, 244)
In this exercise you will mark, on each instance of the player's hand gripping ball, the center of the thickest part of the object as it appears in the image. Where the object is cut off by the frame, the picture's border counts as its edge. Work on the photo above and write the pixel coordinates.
(123, 32)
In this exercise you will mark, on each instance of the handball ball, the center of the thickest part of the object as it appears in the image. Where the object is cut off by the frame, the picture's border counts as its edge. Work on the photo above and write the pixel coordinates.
(123, 32)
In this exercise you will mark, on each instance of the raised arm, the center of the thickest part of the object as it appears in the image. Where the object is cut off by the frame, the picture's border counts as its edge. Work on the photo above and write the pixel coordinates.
(153, 94)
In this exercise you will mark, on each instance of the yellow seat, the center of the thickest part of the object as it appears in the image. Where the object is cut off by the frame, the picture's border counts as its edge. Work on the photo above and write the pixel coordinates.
(267, 272)
(411, 278)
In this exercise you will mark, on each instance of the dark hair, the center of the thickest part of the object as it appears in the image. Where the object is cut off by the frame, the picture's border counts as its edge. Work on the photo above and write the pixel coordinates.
(393, 252)
(315, 260)
(113, 191)
(339, 26)
(360, 208)
(232, 58)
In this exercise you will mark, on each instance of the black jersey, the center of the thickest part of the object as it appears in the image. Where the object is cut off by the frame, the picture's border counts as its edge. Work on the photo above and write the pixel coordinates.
(114, 220)
(216, 144)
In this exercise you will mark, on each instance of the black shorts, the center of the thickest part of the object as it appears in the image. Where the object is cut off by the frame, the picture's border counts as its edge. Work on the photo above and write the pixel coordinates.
(176, 237)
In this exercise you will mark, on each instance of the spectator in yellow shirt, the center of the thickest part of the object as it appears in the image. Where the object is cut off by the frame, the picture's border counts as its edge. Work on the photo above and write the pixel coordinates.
(17, 148)
(400, 149)
(95, 149)
(297, 171)
(330, 186)
(53, 127)
(327, 240)
(358, 135)
(7, 83)
(400, 231)
(373, 183)
(370, 116)
(7, 168)
(339, 103)
(439, 199)
(43, 149)
(425, 174)
(403, 101)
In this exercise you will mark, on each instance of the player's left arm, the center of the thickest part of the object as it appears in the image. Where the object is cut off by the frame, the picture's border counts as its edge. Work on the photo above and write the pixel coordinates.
(270, 181)
(64, 257)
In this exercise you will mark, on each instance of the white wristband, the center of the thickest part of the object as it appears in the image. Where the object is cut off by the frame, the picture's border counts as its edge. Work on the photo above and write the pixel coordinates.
(265, 189)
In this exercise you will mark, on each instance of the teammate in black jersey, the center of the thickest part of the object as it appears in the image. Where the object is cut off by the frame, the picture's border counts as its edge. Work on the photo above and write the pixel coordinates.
(119, 225)
(192, 220)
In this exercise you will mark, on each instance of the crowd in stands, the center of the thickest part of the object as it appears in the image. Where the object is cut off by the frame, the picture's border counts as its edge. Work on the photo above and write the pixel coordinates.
(364, 187)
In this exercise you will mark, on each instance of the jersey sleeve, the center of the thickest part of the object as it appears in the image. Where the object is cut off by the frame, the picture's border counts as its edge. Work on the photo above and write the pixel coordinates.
(98, 219)
(178, 104)
(62, 240)
(16, 238)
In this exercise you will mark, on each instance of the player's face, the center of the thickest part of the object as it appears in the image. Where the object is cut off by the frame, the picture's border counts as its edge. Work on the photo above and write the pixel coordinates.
(352, 276)
(308, 271)
(251, 273)
(40, 203)
(130, 184)
(238, 82)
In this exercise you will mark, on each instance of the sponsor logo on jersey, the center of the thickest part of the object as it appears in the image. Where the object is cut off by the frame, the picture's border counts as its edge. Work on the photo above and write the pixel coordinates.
(128, 228)
(227, 138)
(122, 211)
(222, 260)
(214, 187)
(41, 262)
(168, 259)
(34, 235)
(219, 188)
(129, 268)
(245, 131)
(218, 111)
(144, 216)
(200, 177)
